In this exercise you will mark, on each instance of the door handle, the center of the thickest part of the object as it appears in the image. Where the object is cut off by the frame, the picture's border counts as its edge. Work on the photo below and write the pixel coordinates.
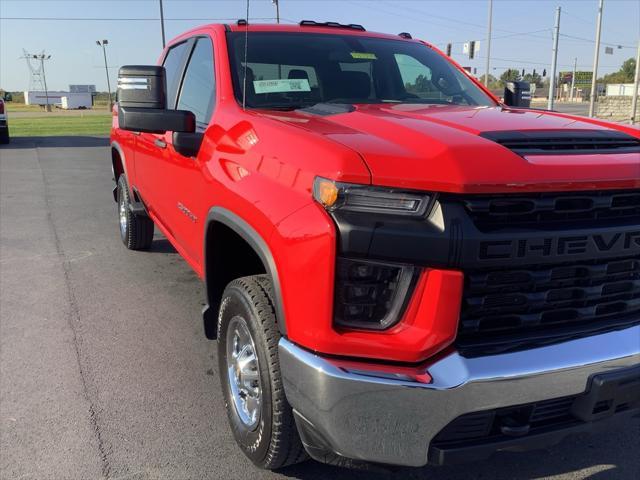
(160, 143)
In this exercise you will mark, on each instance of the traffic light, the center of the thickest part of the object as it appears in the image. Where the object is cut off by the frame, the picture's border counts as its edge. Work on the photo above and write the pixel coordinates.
(544, 72)
(448, 49)
(523, 72)
(472, 49)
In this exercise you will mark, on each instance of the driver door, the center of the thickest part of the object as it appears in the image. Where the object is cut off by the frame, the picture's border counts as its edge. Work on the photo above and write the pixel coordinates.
(182, 180)
(151, 152)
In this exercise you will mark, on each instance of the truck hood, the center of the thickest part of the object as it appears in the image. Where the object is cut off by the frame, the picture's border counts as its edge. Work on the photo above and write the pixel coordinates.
(441, 148)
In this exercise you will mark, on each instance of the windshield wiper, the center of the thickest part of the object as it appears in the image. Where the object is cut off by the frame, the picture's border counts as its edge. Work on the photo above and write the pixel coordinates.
(280, 106)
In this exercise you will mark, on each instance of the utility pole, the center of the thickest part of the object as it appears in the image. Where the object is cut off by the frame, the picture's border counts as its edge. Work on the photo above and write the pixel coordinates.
(488, 64)
(636, 85)
(573, 78)
(596, 57)
(554, 62)
(42, 57)
(162, 24)
(277, 4)
(106, 68)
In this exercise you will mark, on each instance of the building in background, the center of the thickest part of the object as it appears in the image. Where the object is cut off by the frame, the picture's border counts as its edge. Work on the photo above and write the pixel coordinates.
(621, 89)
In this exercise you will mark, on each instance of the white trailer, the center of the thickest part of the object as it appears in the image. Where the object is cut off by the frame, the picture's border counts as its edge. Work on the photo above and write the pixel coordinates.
(73, 101)
(33, 97)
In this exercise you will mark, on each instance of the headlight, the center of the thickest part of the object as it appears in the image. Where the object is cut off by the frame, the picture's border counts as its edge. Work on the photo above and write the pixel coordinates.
(371, 295)
(364, 198)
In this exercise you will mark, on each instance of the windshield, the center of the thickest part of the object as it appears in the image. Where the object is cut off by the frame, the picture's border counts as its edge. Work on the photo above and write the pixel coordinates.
(296, 70)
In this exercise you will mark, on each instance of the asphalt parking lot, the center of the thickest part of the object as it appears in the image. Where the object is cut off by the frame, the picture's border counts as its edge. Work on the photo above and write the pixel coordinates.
(104, 369)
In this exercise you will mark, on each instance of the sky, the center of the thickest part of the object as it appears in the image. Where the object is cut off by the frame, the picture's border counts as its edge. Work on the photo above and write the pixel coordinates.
(522, 31)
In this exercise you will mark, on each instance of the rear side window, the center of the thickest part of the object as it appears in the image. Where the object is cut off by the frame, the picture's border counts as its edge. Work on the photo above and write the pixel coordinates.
(173, 66)
(198, 88)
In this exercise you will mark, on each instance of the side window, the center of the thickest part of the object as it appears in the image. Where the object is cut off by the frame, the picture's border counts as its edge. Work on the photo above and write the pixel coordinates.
(416, 77)
(172, 65)
(420, 81)
(198, 87)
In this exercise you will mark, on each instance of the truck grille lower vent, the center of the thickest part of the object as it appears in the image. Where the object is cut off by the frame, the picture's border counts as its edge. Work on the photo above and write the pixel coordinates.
(510, 309)
(495, 211)
(565, 142)
(547, 415)
(483, 425)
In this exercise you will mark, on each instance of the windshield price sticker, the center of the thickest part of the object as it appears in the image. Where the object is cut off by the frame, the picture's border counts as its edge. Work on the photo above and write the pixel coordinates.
(364, 56)
(282, 85)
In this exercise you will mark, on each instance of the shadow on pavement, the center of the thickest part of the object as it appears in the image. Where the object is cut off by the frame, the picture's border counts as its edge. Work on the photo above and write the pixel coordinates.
(56, 142)
(161, 245)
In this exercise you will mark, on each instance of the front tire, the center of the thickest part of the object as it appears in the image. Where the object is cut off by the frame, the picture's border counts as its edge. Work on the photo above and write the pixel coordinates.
(136, 231)
(260, 417)
(4, 136)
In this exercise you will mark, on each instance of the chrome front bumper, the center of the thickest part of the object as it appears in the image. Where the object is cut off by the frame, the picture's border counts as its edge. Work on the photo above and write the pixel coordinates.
(364, 415)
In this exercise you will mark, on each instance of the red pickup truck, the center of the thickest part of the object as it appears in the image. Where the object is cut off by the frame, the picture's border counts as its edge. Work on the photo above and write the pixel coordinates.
(399, 268)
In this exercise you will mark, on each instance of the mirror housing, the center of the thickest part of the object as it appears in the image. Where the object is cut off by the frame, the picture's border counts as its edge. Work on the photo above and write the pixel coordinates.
(187, 144)
(517, 94)
(142, 102)
(142, 86)
(155, 120)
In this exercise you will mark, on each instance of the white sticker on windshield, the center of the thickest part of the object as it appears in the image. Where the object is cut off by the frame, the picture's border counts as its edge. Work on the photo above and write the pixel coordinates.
(282, 85)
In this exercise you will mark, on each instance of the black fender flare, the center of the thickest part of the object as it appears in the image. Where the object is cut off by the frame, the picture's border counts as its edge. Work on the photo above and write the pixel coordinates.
(253, 238)
(116, 146)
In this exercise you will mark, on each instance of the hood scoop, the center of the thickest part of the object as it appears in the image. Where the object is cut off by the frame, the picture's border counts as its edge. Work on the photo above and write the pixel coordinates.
(326, 109)
(565, 142)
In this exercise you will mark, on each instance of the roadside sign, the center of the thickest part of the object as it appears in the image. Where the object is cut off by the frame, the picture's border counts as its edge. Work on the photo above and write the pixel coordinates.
(582, 78)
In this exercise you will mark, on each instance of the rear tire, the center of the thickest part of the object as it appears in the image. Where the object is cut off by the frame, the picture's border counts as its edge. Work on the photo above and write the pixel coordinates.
(136, 231)
(4, 136)
(260, 417)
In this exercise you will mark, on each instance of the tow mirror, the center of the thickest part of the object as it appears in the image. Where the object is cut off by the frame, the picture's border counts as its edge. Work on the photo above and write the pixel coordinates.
(142, 86)
(517, 94)
(142, 102)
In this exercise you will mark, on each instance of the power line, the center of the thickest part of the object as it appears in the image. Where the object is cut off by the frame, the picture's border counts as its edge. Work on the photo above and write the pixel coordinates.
(593, 41)
(440, 17)
(137, 19)
(530, 62)
(575, 17)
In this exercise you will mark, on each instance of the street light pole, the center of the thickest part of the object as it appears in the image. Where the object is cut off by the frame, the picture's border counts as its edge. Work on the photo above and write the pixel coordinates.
(488, 64)
(277, 4)
(103, 43)
(636, 85)
(554, 62)
(162, 24)
(573, 78)
(596, 57)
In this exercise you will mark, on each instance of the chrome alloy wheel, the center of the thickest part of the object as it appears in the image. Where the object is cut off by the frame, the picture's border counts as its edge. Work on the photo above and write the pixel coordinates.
(122, 212)
(244, 373)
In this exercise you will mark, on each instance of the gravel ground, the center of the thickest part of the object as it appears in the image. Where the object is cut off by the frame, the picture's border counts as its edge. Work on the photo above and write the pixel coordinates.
(104, 370)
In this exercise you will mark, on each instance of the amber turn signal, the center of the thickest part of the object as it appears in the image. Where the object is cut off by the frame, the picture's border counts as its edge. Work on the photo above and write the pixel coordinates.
(326, 192)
